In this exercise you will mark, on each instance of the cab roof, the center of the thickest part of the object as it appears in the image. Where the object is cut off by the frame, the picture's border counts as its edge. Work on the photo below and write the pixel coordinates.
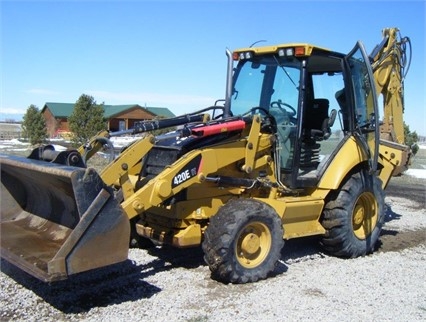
(320, 59)
(274, 48)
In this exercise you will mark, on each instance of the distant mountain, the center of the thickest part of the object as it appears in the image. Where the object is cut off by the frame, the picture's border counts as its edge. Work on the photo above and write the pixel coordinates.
(5, 117)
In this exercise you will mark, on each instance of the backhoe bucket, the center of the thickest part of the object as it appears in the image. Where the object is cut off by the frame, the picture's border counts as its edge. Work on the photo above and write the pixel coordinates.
(58, 220)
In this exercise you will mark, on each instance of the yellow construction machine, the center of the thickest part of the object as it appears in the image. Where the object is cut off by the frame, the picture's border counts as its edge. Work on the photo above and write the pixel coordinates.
(293, 150)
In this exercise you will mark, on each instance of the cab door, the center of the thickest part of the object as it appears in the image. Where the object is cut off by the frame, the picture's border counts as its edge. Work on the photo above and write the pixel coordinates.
(365, 110)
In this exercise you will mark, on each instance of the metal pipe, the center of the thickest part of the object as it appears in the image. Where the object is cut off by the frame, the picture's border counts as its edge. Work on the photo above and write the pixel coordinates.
(228, 93)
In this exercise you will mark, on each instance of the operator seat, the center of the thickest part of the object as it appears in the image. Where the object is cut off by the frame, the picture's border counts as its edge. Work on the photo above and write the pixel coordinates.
(318, 122)
(316, 127)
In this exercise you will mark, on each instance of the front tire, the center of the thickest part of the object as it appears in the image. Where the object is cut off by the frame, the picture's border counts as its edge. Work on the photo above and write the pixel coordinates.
(243, 241)
(354, 217)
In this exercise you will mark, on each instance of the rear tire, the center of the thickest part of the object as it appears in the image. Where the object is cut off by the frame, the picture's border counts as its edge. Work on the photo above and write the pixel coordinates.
(243, 241)
(354, 217)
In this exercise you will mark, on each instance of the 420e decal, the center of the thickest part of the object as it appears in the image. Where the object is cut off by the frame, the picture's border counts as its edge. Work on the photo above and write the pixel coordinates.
(187, 172)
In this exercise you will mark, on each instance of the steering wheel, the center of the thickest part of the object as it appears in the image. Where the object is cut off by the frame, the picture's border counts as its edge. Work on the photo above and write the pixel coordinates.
(263, 111)
(280, 105)
(268, 118)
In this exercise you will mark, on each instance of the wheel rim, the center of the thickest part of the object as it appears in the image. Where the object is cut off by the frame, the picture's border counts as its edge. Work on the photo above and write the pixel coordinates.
(253, 244)
(365, 214)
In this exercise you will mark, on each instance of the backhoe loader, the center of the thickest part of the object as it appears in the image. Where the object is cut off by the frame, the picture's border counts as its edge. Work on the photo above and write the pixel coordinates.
(293, 150)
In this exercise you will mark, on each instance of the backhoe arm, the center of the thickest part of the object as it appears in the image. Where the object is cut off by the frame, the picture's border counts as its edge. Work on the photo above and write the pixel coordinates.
(388, 62)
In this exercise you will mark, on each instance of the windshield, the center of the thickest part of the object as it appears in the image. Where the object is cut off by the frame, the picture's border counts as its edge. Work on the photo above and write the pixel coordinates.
(263, 81)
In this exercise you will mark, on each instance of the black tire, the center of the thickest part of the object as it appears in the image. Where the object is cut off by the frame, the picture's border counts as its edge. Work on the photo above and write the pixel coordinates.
(243, 241)
(354, 217)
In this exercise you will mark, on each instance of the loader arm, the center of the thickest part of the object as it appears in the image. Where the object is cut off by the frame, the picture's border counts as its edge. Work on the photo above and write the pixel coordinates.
(119, 171)
(94, 145)
(195, 167)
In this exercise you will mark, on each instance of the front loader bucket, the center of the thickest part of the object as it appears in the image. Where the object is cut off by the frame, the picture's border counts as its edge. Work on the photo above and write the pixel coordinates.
(58, 220)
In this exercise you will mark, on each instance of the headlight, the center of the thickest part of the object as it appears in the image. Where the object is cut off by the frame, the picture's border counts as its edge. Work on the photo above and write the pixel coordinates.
(243, 55)
(282, 52)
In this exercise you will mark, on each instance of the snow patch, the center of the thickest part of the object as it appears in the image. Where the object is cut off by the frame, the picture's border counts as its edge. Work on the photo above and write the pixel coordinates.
(418, 173)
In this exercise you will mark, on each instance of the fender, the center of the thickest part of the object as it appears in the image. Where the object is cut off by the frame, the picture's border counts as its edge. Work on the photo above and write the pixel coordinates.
(350, 155)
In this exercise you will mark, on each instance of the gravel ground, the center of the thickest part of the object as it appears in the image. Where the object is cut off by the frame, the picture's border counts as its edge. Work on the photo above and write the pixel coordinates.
(165, 284)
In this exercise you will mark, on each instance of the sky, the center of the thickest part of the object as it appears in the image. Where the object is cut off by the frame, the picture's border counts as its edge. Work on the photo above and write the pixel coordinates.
(172, 53)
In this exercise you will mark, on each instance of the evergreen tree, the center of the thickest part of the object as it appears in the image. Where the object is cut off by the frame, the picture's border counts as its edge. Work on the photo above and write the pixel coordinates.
(411, 139)
(34, 126)
(86, 120)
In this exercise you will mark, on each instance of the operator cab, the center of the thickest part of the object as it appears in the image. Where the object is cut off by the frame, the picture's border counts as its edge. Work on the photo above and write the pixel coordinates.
(302, 88)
